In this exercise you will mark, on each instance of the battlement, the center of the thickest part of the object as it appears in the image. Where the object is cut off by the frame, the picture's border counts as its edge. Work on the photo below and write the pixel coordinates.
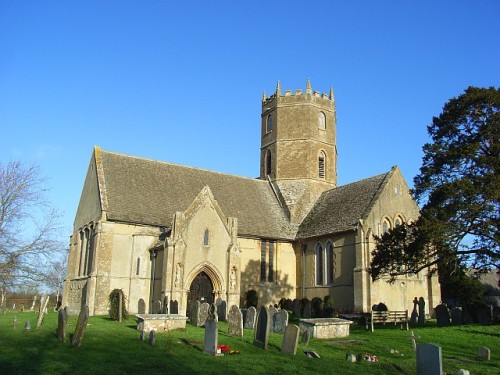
(309, 94)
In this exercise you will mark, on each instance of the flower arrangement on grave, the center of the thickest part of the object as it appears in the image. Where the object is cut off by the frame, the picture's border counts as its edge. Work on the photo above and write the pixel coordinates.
(226, 349)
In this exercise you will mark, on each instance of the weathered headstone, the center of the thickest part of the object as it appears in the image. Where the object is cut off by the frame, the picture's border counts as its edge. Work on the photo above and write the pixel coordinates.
(142, 335)
(442, 315)
(414, 313)
(62, 320)
(306, 312)
(429, 360)
(235, 321)
(421, 310)
(141, 306)
(81, 325)
(203, 314)
(296, 307)
(194, 315)
(484, 353)
(44, 300)
(280, 321)
(462, 372)
(250, 318)
(211, 333)
(456, 316)
(351, 358)
(165, 305)
(152, 337)
(221, 310)
(272, 313)
(262, 328)
(290, 339)
(174, 307)
(484, 313)
(306, 336)
(27, 326)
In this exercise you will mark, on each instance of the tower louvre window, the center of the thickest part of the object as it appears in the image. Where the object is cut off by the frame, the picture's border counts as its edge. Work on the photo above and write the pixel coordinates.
(321, 165)
(321, 121)
(269, 124)
(269, 162)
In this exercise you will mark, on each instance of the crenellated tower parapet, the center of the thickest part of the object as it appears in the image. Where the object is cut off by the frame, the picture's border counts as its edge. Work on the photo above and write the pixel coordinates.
(298, 145)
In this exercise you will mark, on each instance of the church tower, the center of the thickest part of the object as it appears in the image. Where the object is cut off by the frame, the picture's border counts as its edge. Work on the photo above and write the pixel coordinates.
(298, 146)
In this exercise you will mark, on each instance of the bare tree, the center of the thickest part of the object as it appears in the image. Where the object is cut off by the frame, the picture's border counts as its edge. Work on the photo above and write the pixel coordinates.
(29, 228)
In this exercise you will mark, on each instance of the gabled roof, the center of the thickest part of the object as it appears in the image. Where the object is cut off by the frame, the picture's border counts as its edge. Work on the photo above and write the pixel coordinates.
(340, 209)
(138, 190)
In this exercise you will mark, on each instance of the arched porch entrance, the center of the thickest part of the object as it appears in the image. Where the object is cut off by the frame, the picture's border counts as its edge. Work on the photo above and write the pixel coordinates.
(201, 289)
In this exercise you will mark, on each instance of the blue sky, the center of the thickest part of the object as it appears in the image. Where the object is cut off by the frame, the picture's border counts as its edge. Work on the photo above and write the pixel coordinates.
(182, 81)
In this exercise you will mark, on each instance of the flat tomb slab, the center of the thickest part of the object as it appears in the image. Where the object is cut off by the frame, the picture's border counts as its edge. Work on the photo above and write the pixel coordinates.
(325, 328)
(160, 322)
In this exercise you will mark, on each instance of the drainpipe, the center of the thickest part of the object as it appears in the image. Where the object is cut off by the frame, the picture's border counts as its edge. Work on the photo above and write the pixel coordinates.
(152, 284)
(304, 269)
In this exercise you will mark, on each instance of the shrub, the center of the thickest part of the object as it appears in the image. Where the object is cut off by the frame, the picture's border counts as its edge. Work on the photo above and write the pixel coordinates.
(328, 306)
(251, 298)
(282, 303)
(317, 307)
(114, 297)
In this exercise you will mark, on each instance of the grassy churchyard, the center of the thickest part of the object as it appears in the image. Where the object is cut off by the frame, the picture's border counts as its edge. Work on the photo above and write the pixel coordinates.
(110, 348)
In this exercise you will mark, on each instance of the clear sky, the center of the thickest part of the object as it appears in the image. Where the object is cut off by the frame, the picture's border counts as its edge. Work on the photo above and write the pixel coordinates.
(182, 81)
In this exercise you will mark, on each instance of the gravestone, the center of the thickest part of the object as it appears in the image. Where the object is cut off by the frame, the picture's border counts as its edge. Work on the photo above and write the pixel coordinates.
(272, 313)
(141, 306)
(467, 317)
(280, 321)
(414, 313)
(203, 314)
(262, 328)
(462, 372)
(174, 307)
(429, 360)
(306, 336)
(62, 320)
(14, 323)
(306, 312)
(152, 337)
(235, 321)
(194, 314)
(211, 333)
(142, 335)
(484, 313)
(221, 310)
(81, 325)
(27, 326)
(412, 337)
(44, 300)
(250, 318)
(290, 339)
(442, 315)
(484, 353)
(165, 305)
(456, 316)
(421, 310)
(296, 307)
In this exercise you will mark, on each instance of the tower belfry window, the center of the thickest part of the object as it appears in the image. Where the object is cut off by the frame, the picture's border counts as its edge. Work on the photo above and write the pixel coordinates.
(321, 121)
(269, 124)
(269, 163)
(321, 165)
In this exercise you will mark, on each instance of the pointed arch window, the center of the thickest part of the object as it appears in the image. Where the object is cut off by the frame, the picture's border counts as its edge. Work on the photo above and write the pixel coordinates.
(269, 162)
(321, 165)
(321, 121)
(269, 124)
(206, 237)
(319, 265)
(267, 254)
(330, 263)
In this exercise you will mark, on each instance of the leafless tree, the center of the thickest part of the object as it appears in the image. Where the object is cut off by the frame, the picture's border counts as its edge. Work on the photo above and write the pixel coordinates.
(29, 227)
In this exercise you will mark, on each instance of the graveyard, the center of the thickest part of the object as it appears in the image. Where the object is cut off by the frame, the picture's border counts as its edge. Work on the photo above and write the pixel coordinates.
(112, 347)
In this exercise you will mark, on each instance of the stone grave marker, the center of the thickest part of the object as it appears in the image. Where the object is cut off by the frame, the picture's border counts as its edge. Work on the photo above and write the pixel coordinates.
(311, 354)
(141, 306)
(14, 323)
(466, 315)
(142, 335)
(165, 305)
(211, 333)
(296, 307)
(412, 337)
(421, 310)
(204, 307)
(80, 328)
(152, 337)
(235, 321)
(27, 326)
(456, 316)
(306, 313)
(484, 353)
(194, 315)
(250, 318)
(462, 372)
(62, 320)
(442, 315)
(414, 313)
(222, 311)
(429, 359)
(174, 307)
(484, 313)
(280, 321)
(290, 339)
(272, 313)
(306, 336)
(44, 300)
(262, 328)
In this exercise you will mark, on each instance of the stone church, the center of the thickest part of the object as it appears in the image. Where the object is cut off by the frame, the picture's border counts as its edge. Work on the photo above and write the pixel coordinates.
(170, 234)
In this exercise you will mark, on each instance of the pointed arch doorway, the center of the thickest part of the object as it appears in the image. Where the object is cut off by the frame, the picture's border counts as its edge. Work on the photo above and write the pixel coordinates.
(201, 289)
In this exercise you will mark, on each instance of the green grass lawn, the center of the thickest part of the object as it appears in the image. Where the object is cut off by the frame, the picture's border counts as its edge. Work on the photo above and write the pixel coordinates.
(110, 347)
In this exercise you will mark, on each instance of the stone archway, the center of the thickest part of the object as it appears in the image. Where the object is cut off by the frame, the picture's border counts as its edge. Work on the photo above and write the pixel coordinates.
(201, 289)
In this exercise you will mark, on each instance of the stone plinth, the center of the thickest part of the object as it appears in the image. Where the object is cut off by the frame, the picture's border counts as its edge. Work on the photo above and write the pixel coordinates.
(160, 322)
(325, 328)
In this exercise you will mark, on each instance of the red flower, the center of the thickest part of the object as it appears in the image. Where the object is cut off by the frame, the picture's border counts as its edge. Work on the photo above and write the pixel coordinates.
(224, 348)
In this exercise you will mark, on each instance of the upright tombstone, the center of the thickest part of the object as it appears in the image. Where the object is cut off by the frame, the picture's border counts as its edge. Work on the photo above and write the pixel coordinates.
(484, 313)
(44, 300)
(306, 336)
(456, 316)
(141, 306)
(81, 325)
(221, 310)
(194, 314)
(296, 307)
(262, 328)
(429, 360)
(14, 323)
(306, 312)
(62, 320)
(414, 313)
(165, 305)
(211, 333)
(290, 339)
(421, 310)
(484, 353)
(272, 313)
(174, 307)
(27, 326)
(280, 321)
(204, 307)
(250, 318)
(235, 321)
(442, 315)
(152, 337)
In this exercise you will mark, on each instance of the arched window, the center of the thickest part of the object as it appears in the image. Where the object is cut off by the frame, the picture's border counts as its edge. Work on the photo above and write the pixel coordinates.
(330, 263)
(398, 221)
(269, 124)
(321, 121)
(269, 162)
(138, 267)
(206, 237)
(385, 226)
(321, 165)
(319, 265)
